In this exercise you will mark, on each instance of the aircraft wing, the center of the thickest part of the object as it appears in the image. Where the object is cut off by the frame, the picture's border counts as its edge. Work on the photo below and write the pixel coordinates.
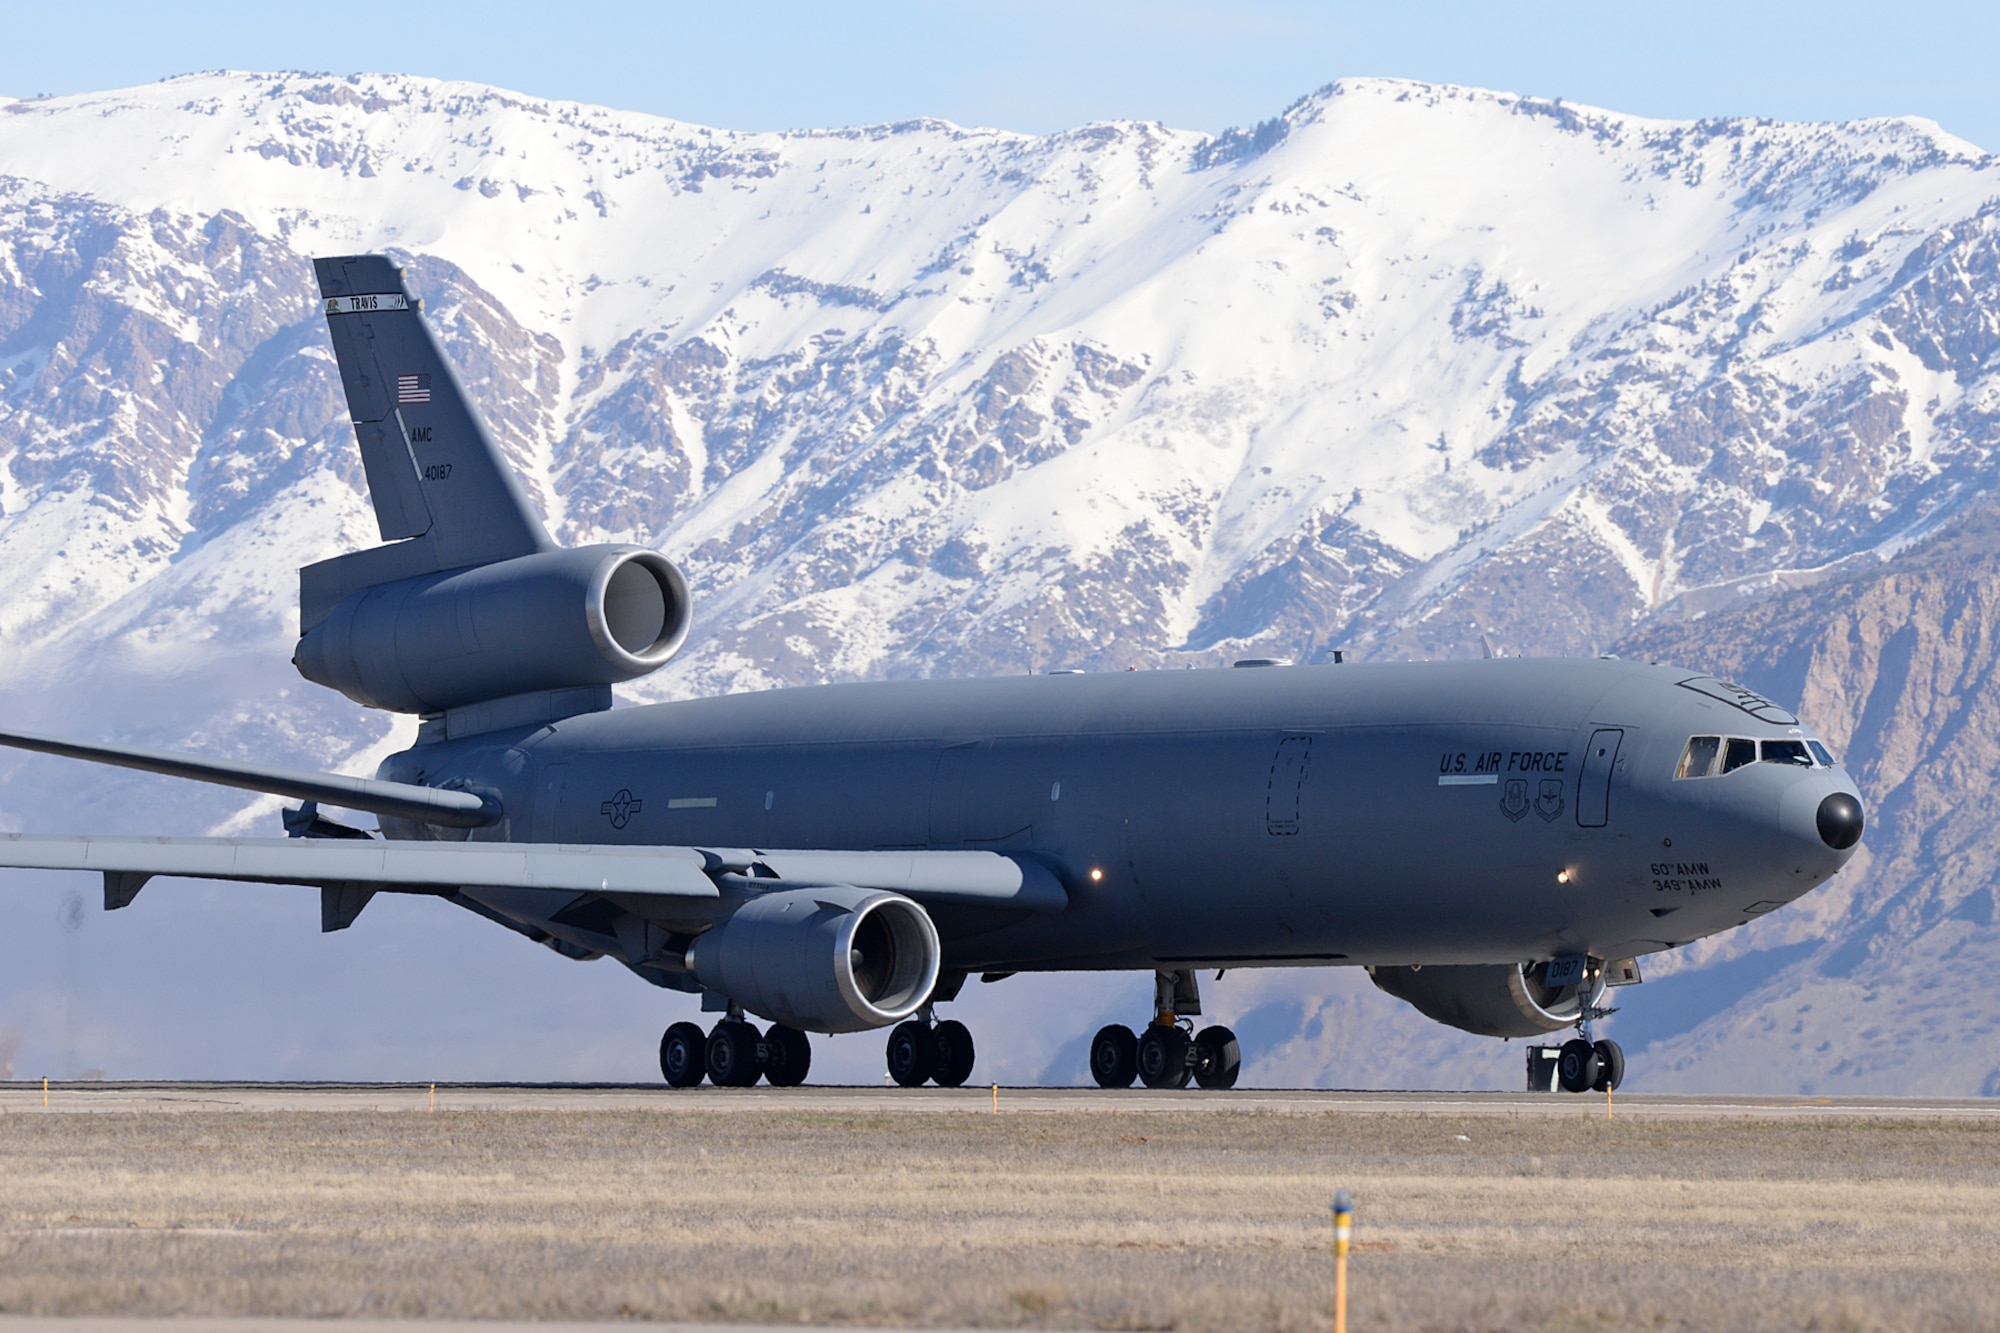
(975, 877)
(126, 863)
(350, 870)
(985, 878)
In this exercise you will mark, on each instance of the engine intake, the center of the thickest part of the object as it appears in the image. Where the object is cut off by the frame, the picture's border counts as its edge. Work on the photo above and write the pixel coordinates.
(1493, 1000)
(831, 959)
(555, 620)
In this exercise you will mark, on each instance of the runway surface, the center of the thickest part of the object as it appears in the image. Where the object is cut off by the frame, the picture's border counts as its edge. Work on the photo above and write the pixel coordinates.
(139, 1096)
(251, 1324)
(181, 1323)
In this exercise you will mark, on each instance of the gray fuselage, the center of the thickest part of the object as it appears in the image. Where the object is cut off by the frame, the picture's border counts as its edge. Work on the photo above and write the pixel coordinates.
(1450, 812)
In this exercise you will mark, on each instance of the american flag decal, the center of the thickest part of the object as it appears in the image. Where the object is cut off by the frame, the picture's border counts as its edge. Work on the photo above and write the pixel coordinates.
(413, 389)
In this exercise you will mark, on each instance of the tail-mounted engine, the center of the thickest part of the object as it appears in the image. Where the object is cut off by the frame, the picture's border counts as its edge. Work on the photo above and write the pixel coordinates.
(1493, 1000)
(597, 615)
(824, 959)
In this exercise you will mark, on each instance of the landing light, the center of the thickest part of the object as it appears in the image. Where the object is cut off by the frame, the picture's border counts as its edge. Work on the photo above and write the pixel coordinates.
(1096, 875)
(1562, 876)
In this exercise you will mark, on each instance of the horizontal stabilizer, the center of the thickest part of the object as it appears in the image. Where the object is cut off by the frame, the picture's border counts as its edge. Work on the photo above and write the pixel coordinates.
(674, 872)
(399, 800)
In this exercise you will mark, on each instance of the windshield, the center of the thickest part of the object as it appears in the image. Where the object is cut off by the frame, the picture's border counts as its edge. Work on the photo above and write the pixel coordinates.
(1711, 756)
(1698, 760)
(1787, 752)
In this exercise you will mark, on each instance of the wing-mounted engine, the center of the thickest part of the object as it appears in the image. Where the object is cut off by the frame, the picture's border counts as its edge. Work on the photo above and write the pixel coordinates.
(824, 959)
(555, 620)
(1499, 1000)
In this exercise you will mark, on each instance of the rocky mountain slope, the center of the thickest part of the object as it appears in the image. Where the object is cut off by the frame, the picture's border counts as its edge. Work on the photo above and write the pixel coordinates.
(1885, 980)
(1400, 367)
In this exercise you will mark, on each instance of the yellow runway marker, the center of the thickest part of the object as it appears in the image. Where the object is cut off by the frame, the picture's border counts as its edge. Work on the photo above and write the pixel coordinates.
(1343, 1233)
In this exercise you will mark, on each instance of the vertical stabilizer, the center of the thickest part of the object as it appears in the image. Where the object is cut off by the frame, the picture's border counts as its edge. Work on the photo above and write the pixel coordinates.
(441, 489)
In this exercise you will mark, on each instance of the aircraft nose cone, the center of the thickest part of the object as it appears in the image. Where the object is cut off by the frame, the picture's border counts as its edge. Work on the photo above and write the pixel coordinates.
(1840, 821)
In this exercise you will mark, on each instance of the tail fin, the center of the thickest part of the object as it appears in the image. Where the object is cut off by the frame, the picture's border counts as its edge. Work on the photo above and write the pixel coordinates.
(442, 492)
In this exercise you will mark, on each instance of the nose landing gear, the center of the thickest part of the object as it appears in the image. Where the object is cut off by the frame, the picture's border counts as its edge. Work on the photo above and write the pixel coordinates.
(1590, 1066)
(1170, 1053)
(1583, 1065)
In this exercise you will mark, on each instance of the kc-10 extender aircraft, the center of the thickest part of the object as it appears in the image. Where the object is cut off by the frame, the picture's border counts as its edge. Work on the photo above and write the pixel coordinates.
(1496, 841)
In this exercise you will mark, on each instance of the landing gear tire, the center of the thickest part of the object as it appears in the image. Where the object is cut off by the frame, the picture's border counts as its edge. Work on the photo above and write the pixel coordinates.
(683, 1055)
(788, 1054)
(733, 1058)
(1217, 1057)
(952, 1055)
(1610, 1066)
(1163, 1058)
(912, 1051)
(1114, 1056)
(1577, 1065)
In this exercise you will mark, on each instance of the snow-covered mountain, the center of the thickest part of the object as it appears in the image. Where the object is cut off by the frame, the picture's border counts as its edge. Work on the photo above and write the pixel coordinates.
(1400, 367)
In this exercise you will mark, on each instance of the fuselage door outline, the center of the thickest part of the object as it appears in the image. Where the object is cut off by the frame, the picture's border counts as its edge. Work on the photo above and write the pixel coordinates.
(1284, 789)
(1593, 781)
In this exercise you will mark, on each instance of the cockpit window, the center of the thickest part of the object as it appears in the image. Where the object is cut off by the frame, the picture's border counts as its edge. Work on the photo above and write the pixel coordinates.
(1787, 752)
(1707, 756)
(1698, 760)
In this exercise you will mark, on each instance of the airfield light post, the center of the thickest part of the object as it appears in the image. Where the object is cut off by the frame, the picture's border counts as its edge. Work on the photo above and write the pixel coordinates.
(1343, 1232)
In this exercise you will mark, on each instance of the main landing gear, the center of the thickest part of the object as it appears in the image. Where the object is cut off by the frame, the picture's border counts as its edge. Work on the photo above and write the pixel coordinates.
(924, 1050)
(734, 1054)
(1171, 1053)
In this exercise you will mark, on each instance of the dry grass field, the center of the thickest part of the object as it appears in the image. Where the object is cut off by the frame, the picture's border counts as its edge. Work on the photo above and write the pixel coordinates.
(945, 1215)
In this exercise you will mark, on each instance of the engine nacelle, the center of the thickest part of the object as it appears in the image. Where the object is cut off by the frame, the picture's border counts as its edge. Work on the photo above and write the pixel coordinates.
(831, 959)
(555, 620)
(1493, 1000)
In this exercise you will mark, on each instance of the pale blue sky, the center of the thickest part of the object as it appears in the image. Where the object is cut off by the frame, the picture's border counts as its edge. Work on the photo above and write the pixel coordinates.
(1040, 65)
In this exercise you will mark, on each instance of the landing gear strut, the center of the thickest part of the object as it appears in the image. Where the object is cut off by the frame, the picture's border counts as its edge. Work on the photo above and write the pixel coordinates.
(734, 1054)
(1170, 1053)
(1584, 1065)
